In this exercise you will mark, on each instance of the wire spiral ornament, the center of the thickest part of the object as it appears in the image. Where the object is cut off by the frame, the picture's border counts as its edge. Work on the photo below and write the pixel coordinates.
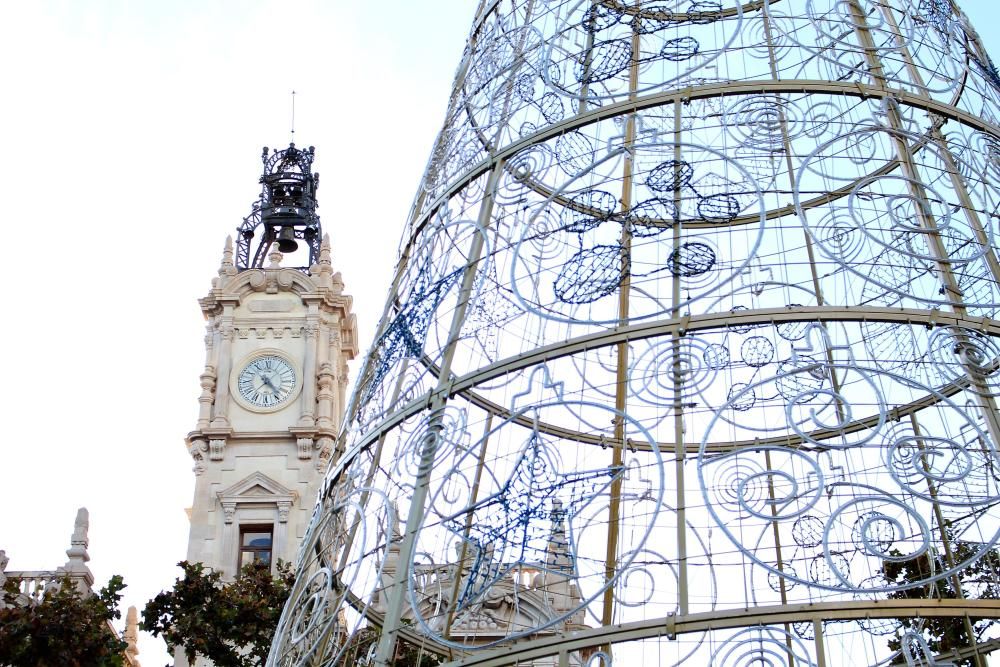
(691, 355)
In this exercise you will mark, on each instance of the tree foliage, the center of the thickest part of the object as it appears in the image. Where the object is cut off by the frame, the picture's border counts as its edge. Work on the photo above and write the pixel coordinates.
(231, 624)
(65, 628)
(980, 580)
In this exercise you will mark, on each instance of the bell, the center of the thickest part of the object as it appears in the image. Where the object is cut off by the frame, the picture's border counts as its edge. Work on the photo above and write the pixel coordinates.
(286, 240)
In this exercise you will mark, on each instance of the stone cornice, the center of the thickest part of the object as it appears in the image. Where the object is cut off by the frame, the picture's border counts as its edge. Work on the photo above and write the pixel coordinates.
(289, 281)
(265, 437)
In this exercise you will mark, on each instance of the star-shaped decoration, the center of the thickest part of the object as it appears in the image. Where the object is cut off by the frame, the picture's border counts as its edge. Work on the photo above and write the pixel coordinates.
(511, 528)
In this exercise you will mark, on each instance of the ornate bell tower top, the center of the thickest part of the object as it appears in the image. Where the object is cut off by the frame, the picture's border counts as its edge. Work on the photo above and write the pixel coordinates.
(280, 332)
(277, 300)
(285, 212)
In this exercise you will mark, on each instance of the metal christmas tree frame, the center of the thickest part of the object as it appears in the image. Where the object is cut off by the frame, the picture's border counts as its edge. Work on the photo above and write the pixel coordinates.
(692, 354)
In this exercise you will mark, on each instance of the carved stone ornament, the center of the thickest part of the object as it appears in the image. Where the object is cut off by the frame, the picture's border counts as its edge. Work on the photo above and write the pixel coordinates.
(197, 449)
(324, 447)
(275, 277)
(305, 446)
(216, 449)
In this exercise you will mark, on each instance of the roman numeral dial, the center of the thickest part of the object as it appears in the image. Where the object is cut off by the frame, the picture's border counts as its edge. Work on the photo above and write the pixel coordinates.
(266, 381)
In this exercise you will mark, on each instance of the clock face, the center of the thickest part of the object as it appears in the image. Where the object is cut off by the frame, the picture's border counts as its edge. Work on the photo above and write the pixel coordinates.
(267, 381)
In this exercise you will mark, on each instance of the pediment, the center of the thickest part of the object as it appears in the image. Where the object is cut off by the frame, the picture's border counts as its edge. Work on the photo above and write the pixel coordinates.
(257, 487)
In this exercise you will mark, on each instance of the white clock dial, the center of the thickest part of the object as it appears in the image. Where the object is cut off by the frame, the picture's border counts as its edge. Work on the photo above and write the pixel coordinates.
(267, 381)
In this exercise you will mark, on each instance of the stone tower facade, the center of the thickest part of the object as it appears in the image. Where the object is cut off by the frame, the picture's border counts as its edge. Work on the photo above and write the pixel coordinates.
(275, 379)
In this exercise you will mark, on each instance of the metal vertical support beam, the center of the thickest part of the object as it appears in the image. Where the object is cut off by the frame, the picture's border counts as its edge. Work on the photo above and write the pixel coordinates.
(679, 448)
(973, 38)
(904, 50)
(777, 550)
(819, 643)
(460, 564)
(786, 143)
(621, 369)
(588, 61)
(393, 615)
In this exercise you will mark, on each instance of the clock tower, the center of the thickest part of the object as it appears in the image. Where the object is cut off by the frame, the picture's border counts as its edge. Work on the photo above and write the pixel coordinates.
(275, 379)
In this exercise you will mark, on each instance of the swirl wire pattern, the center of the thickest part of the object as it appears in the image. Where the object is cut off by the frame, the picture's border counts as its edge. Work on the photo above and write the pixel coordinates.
(692, 348)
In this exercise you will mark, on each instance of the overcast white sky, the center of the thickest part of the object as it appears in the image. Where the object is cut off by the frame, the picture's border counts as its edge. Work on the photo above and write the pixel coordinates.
(131, 132)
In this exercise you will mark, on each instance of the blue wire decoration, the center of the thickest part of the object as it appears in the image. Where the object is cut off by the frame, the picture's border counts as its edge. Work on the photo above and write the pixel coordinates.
(714, 375)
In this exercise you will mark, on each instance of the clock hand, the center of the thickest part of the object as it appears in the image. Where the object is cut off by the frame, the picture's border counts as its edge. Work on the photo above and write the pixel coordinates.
(268, 382)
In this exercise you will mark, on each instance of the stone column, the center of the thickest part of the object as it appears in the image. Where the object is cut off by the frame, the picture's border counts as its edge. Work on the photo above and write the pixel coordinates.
(324, 379)
(207, 397)
(307, 420)
(226, 334)
(337, 366)
(341, 391)
(207, 378)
